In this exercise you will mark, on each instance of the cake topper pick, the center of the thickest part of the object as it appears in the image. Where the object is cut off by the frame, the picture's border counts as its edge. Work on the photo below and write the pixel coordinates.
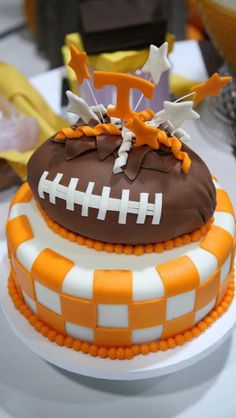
(78, 63)
(123, 83)
(177, 113)
(144, 134)
(210, 87)
(157, 62)
(141, 128)
(79, 106)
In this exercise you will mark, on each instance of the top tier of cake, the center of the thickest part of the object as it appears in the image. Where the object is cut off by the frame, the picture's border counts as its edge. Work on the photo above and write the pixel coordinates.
(125, 176)
(151, 200)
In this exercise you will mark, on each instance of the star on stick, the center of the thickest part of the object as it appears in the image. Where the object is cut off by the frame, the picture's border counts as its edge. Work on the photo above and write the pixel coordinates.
(157, 62)
(79, 106)
(78, 63)
(211, 87)
(145, 135)
(177, 113)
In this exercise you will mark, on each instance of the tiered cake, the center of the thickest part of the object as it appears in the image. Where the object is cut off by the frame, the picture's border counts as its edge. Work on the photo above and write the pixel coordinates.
(121, 242)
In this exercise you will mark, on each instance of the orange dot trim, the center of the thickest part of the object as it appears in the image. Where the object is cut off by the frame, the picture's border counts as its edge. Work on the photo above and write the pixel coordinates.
(120, 353)
(122, 248)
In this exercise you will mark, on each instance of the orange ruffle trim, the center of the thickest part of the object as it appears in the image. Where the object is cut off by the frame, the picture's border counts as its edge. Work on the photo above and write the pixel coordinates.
(99, 129)
(120, 353)
(122, 248)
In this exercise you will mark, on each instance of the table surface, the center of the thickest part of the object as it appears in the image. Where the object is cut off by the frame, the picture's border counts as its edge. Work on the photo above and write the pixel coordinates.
(31, 387)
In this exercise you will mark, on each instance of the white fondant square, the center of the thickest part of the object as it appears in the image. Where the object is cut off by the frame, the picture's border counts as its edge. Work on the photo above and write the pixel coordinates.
(226, 221)
(147, 284)
(29, 302)
(47, 297)
(28, 251)
(115, 316)
(180, 305)
(225, 269)
(204, 311)
(79, 283)
(205, 262)
(77, 331)
(16, 210)
(146, 334)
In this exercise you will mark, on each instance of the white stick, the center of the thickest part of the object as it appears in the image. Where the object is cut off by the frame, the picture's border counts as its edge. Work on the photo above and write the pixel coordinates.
(141, 98)
(94, 99)
(184, 97)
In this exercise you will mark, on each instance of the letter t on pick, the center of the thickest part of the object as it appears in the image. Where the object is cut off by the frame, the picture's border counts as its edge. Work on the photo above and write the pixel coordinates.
(123, 84)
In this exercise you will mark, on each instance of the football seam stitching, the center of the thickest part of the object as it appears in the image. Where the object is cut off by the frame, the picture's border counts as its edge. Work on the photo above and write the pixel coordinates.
(103, 203)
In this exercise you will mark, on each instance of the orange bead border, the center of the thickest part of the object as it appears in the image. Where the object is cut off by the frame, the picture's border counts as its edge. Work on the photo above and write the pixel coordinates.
(122, 248)
(120, 353)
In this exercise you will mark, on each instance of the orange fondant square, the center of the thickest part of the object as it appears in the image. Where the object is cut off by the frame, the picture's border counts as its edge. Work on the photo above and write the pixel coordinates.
(50, 269)
(79, 311)
(219, 242)
(13, 276)
(112, 337)
(179, 275)
(223, 288)
(18, 230)
(51, 319)
(23, 194)
(223, 202)
(179, 325)
(208, 290)
(112, 286)
(23, 278)
(147, 314)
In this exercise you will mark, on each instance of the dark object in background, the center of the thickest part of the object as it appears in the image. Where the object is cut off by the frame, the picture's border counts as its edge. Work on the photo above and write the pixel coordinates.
(211, 57)
(8, 177)
(54, 19)
(112, 25)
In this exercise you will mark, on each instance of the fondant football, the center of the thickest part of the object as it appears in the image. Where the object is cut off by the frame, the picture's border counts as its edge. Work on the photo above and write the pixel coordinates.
(151, 200)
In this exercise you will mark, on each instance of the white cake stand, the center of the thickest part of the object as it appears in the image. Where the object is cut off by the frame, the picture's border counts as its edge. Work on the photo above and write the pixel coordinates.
(141, 367)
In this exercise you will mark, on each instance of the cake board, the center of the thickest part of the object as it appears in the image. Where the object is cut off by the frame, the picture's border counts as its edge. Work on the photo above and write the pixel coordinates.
(141, 367)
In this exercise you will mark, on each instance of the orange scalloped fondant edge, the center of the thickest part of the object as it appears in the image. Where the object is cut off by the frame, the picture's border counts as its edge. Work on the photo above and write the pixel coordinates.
(122, 248)
(120, 353)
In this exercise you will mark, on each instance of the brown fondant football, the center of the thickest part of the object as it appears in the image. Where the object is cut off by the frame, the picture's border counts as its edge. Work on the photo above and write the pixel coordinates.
(152, 200)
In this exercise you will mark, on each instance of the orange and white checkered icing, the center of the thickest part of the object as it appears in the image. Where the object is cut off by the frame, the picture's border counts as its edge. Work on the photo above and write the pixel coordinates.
(114, 300)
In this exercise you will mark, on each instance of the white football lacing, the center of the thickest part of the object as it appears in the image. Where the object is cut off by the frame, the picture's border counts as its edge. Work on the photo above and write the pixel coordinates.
(103, 203)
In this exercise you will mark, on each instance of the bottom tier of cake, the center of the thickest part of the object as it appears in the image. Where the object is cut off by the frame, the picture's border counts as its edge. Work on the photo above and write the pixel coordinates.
(114, 302)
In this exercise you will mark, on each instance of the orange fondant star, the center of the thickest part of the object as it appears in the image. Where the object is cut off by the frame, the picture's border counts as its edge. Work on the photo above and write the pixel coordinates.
(78, 63)
(211, 87)
(145, 135)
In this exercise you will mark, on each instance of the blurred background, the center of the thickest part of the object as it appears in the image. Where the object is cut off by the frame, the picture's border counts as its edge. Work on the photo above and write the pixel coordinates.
(35, 36)
(32, 32)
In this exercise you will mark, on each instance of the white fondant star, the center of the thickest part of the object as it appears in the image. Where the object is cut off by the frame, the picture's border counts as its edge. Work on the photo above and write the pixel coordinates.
(177, 113)
(99, 109)
(79, 106)
(157, 62)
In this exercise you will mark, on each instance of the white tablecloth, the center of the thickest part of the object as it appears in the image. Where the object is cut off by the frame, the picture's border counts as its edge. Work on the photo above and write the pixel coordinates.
(30, 387)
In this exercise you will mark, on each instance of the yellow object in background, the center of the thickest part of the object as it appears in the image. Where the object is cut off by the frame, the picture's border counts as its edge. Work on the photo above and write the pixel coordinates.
(220, 20)
(180, 86)
(23, 96)
(119, 61)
